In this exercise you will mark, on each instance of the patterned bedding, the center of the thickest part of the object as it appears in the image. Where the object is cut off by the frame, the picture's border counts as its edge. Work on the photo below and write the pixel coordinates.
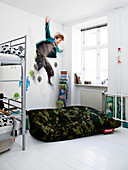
(5, 120)
(68, 123)
(5, 49)
(9, 126)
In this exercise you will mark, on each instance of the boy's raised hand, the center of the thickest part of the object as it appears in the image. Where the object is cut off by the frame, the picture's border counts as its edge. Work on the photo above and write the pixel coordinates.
(47, 19)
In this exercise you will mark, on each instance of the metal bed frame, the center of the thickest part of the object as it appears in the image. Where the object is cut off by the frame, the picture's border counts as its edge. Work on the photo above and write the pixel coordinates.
(16, 43)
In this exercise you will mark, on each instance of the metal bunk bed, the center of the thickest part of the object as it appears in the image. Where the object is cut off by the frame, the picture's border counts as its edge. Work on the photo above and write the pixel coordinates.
(13, 59)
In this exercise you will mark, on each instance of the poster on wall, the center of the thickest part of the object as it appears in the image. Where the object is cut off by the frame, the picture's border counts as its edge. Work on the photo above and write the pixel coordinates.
(47, 49)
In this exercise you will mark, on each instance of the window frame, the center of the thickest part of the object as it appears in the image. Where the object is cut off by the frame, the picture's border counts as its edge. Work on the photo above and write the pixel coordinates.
(98, 47)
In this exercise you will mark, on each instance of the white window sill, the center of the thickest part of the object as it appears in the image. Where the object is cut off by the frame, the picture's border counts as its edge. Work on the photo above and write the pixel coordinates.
(92, 85)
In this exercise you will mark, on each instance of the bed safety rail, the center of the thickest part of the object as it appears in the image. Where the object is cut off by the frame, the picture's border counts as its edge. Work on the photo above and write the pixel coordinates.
(117, 107)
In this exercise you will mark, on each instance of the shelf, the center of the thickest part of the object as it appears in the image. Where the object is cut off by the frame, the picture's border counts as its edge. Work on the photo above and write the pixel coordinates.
(91, 85)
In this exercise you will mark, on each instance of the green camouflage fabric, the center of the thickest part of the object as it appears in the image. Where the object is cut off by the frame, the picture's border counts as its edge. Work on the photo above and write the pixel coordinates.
(71, 122)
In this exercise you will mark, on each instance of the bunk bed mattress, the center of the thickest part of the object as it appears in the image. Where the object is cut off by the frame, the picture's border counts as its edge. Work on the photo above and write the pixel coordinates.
(9, 59)
(71, 122)
(5, 132)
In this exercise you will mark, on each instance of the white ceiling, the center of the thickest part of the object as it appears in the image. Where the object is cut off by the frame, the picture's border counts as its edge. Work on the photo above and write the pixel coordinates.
(66, 11)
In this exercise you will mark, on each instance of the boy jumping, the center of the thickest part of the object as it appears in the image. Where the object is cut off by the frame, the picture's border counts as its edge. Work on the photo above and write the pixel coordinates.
(47, 48)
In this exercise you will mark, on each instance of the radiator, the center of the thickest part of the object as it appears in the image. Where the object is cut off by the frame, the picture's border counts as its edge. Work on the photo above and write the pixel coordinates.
(93, 98)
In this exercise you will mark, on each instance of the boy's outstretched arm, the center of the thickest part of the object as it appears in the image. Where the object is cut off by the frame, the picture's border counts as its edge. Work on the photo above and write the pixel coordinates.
(47, 30)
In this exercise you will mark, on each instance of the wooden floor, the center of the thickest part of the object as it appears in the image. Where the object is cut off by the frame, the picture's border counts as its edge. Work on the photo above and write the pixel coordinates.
(100, 152)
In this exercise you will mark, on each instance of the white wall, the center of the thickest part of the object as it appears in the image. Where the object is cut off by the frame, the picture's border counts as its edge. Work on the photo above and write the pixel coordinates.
(118, 38)
(76, 63)
(73, 46)
(72, 59)
(16, 23)
(67, 57)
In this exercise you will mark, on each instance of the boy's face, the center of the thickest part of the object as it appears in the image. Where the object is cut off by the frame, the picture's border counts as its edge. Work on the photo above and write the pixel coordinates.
(57, 41)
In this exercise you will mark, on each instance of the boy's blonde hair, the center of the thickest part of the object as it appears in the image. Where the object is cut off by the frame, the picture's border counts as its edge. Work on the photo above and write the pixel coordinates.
(59, 35)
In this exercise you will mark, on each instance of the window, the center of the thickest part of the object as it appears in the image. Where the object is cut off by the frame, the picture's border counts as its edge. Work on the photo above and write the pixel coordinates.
(95, 54)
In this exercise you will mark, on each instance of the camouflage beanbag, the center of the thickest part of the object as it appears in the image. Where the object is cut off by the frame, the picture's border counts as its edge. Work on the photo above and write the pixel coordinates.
(68, 123)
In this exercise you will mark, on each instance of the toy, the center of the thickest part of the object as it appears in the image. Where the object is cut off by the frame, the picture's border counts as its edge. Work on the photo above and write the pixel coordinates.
(27, 83)
(60, 104)
(32, 74)
(118, 58)
(16, 95)
(105, 82)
